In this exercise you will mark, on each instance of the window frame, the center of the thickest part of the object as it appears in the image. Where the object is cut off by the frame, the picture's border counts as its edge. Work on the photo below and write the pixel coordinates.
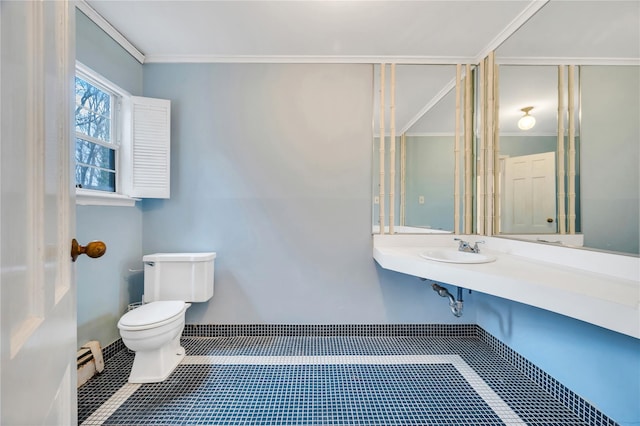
(118, 142)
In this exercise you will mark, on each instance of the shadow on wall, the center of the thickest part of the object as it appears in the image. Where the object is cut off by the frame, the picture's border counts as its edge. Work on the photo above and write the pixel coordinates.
(135, 285)
(150, 204)
(95, 328)
(503, 317)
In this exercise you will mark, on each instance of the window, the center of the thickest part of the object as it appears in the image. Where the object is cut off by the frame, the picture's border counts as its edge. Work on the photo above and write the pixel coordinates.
(122, 143)
(96, 151)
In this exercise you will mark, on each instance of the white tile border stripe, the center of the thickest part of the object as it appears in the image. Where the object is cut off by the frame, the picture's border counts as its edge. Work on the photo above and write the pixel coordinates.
(110, 406)
(493, 400)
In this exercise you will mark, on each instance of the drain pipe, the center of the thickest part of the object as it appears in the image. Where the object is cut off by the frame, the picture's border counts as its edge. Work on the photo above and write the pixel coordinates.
(454, 303)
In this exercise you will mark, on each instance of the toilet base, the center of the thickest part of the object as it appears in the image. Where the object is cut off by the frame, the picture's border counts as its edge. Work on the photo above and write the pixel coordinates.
(155, 366)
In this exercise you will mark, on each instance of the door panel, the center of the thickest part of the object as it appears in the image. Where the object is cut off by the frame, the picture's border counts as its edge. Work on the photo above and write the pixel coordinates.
(37, 291)
(529, 201)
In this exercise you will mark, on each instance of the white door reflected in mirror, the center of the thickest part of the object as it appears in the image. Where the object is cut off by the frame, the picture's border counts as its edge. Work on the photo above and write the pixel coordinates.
(529, 198)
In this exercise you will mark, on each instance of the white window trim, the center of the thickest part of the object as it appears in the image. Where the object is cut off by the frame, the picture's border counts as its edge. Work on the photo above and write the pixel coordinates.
(88, 197)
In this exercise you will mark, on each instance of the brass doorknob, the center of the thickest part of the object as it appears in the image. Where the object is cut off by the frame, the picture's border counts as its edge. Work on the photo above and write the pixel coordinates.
(549, 220)
(94, 249)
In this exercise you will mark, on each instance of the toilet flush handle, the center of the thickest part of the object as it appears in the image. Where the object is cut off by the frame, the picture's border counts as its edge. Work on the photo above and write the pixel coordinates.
(94, 249)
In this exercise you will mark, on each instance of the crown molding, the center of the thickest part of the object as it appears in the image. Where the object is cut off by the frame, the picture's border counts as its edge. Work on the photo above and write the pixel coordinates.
(522, 134)
(513, 26)
(430, 134)
(116, 35)
(309, 59)
(566, 61)
(433, 102)
(418, 134)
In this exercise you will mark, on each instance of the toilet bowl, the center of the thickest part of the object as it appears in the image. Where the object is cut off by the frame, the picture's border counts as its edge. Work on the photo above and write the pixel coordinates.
(153, 332)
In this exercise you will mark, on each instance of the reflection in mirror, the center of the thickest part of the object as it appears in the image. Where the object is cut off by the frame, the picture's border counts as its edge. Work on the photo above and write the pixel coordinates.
(534, 168)
(610, 155)
(605, 42)
(429, 167)
(420, 183)
(607, 156)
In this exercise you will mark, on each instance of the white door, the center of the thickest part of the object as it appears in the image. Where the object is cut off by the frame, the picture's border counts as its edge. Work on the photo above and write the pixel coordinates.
(38, 305)
(529, 196)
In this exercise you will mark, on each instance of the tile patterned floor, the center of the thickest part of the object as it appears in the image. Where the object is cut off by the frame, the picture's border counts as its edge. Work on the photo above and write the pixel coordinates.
(341, 380)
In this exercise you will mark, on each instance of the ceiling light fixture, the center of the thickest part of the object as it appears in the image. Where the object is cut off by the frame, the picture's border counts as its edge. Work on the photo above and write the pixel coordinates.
(527, 121)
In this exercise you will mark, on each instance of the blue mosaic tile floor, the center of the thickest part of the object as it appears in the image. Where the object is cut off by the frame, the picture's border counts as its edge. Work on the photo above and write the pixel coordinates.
(343, 380)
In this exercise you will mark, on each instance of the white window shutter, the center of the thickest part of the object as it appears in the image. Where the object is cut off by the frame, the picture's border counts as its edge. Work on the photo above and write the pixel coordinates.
(150, 153)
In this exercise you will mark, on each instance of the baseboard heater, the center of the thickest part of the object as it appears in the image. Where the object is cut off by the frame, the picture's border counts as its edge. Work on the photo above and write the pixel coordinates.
(90, 361)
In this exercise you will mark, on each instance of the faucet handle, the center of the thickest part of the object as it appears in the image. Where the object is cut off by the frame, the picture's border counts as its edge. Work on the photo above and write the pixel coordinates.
(463, 244)
(475, 245)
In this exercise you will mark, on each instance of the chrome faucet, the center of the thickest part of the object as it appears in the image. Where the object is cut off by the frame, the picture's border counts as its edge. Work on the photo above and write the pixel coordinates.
(466, 247)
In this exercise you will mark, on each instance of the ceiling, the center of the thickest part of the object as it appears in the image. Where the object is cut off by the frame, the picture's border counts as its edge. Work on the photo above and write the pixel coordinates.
(299, 30)
(426, 32)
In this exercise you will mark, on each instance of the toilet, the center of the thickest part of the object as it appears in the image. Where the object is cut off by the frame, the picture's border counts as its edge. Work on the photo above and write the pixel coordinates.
(172, 281)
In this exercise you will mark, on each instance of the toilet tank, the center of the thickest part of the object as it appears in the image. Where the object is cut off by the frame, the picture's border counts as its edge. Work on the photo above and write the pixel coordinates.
(178, 276)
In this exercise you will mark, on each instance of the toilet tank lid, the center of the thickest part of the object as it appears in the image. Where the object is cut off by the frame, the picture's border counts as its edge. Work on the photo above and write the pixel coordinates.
(152, 313)
(179, 257)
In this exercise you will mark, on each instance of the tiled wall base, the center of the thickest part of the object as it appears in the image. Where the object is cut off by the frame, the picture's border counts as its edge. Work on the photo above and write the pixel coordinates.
(585, 411)
(566, 396)
(361, 330)
(112, 349)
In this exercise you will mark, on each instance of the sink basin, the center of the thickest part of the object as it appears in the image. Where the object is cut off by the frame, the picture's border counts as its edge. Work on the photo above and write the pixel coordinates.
(455, 256)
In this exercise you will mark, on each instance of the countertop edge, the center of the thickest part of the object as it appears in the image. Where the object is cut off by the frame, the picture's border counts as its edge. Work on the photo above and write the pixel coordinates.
(622, 315)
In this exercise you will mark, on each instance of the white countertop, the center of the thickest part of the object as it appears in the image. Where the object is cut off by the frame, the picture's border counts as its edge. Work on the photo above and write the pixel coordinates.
(599, 288)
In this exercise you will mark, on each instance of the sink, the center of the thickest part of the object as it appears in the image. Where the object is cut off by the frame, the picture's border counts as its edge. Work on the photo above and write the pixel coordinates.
(455, 256)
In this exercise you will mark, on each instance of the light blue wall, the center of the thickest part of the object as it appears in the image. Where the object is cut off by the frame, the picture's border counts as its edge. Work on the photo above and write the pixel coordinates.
(599, 365)
(105, 286)
(97, 50)
(610, 143)
(271, 168)
(430, 164)
(429, 172)
(514, 146)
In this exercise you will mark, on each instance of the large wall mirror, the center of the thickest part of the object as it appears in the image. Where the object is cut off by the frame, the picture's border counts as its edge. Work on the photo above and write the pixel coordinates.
(425, 123)
(596, 44)
(604, 46)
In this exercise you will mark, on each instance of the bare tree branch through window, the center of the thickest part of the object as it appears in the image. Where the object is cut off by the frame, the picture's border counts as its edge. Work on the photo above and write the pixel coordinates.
(95, 159)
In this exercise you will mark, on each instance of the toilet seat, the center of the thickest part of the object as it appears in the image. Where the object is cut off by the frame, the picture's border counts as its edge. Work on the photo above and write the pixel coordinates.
(152, 315)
